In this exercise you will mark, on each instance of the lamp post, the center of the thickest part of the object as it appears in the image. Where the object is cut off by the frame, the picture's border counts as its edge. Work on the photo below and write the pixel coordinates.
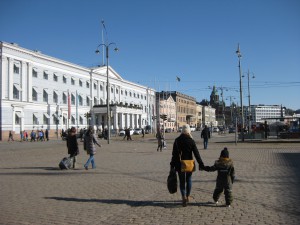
(230, 98)
(241, 90)
(106, 46)
(249, 109)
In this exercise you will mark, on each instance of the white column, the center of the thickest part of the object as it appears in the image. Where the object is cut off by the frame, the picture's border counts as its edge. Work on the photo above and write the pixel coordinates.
(131, 120)
(140, 121)
(29, 82)
(120, 125)
(126, 125)
(10, 78)
(4, 69)
(136, 125)
(23, 81)
(116, 120)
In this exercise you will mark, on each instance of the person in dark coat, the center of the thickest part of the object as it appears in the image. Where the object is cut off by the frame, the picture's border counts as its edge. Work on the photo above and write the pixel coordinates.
(185, 146)
(225, 178)
(160, 140)
(47, 134)
(72, 145)
(205, 134)
(89, 142)
(10, 136)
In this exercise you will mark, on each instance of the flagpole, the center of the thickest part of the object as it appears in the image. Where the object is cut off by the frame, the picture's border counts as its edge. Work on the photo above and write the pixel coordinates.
(103, 27)
(77, 109)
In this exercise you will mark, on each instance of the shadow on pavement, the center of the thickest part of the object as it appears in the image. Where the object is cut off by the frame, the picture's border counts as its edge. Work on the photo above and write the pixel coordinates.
(132, 203)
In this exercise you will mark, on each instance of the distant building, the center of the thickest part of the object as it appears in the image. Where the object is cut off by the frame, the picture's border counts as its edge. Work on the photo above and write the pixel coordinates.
(218, 104)
(166, 106)
(262, 113)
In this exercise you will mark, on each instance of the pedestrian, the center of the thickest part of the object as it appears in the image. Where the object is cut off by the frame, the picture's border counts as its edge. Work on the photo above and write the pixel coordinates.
(143, 132)
(72, 145)
(184, 148)
(89, 142)
(160, 140)
(32, 136)
(21, 136)
(10, 136)
(26, 135)
(47, 134)
(125, 133)
(205, 134)
(41, 135)
(225, 178)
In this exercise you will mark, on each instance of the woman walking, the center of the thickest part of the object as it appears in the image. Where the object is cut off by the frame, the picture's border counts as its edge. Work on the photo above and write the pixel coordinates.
(89, 143)
(183, 149)
(72, 145)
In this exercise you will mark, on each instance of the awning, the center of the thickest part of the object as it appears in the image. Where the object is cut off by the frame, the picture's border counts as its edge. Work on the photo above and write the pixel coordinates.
(65, 76)
(56, 92)
(46, 90)
(47, 116)
(17, 86)
(19, 114)
(34, 69)
(36, 114)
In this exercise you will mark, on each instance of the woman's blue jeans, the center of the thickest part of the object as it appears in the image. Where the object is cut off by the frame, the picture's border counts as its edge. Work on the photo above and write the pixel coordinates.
(91, 160)
(185, 183)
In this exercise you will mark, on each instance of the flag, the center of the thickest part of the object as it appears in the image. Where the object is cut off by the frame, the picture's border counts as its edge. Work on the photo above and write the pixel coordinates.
(178, 79)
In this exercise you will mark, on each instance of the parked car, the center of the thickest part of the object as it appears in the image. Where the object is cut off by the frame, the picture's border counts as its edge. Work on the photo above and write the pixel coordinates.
(216, 129)
(193, 128)
(179, 129)
(122, 132)
(137, 131)
(231, 130)
(168, 130)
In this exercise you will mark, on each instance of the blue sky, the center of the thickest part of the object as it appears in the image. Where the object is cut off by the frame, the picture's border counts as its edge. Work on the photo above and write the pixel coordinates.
(158, 40)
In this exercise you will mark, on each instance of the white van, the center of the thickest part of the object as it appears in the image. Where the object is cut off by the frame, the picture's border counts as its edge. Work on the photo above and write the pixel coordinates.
(193, 128)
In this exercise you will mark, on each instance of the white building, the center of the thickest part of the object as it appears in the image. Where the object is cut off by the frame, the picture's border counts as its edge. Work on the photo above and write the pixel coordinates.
(36, 90)
(269, 113)
(209, 116)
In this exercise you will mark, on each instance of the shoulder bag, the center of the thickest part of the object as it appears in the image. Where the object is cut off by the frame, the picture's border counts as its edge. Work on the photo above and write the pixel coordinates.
(186, 165)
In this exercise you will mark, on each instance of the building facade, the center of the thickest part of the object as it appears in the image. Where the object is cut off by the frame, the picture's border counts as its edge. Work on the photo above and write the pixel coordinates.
(40, 92)
(262, 113)
(209, 116)
(186, 109)
(166, 106)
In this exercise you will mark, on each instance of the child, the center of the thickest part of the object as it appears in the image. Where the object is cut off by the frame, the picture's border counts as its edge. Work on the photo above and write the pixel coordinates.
(225, 178)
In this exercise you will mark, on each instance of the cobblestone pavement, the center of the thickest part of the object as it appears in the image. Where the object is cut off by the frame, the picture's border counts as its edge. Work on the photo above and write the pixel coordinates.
(129, 184)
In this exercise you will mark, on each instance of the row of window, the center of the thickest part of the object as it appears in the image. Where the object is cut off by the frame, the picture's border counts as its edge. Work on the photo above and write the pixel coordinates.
(80, 82)
(46, 120)
(16, 95)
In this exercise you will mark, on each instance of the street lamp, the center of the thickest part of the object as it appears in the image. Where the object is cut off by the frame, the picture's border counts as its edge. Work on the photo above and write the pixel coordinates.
(249, 110)
(241, 90)
(108, 91)
(230, 98)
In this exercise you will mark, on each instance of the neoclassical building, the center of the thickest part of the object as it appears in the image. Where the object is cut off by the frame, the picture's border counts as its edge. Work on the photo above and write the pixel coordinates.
(42, 92)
